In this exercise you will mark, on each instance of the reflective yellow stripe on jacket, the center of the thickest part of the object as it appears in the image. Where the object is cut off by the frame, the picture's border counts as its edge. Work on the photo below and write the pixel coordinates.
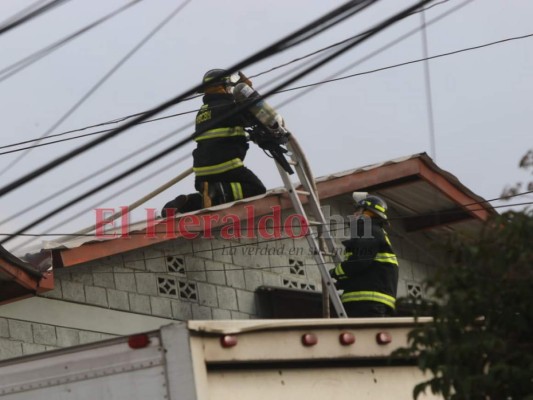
(369, 296)
(221, 133)
(386, 258)
(236, 189)
(218, 168)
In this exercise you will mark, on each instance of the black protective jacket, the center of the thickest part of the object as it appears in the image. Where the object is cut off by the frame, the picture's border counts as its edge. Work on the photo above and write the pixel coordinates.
(218, 142)
(370, 271)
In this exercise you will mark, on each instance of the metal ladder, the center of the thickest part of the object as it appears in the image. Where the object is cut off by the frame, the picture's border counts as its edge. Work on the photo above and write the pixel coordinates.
(319, 237)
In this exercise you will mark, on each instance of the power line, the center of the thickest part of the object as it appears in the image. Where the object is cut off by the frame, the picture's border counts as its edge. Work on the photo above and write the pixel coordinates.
(458, 208)
(104, 79)
(278, 46)
(25, 62)
(30, 15)
(379, 27)
(120, 119)
(23, 12)
(281, 91)
(111, 196)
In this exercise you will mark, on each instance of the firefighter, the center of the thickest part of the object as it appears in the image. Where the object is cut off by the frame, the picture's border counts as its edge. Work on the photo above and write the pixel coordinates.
(221, 147)
(369, 274)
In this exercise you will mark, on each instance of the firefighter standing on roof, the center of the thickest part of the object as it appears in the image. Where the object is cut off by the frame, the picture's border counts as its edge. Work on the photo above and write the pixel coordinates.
(221, 148)
(369, 275)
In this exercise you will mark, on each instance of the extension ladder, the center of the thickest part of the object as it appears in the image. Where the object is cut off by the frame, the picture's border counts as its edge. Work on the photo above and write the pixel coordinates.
(319, 237)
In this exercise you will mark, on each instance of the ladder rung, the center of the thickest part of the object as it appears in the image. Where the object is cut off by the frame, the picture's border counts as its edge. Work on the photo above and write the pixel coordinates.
(316, 223)
(302, 192)
(292, 162)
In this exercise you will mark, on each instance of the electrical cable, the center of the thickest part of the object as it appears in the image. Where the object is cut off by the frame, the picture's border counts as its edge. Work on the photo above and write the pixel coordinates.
(400, 217)
(32, 14)
(102, 80)
(275, 48)
(115, 194)
(25, 62)
(429, 94)
(442, 55)
(332, 77)
(22, 12)
(379, 27)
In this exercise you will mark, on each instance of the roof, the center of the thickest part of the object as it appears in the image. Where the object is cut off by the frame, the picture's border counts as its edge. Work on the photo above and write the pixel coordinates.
(19, 279)
(427, 198)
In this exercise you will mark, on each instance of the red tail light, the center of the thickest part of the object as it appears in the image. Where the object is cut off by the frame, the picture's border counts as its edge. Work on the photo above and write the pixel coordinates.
(383, 338)
(138, 341)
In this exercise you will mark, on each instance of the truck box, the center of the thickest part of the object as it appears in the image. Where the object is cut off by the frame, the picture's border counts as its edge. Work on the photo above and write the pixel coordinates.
(308, 359)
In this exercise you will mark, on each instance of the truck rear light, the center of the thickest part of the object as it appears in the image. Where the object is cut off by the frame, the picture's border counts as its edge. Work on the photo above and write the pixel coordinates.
(138, 341)
(309, 339)
(383, 338)
(346, 338)
(228, 341)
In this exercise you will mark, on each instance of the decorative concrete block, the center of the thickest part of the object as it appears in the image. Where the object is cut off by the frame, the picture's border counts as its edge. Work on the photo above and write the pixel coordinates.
(140, 303)
(96, 296)
(207, 294)
(125, 279)
(10, 349)
(246, 301)
(215, 272)
(44, 334)
(221, 314)
(67, 337)
(181, 311)
(235, 276)
(32, 348)
(73, 291)
(4, 328)
(118, 299)
(161, 307)
(200, 312)
(227, 298)
(146, 283)
(253, 279)
(20, 330)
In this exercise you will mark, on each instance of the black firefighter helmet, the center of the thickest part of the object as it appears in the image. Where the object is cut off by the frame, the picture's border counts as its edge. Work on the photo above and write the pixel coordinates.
(374, 204)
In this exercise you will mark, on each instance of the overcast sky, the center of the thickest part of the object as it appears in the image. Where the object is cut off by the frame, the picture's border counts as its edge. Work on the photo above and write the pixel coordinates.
(482, 99)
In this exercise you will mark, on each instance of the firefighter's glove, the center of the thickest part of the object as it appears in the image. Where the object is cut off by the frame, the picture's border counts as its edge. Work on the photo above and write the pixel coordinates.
(244, 79)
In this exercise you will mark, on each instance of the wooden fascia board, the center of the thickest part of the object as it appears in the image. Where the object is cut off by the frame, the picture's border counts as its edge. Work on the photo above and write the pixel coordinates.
(20, 276)
(369, 178)
(92, 251)
(452, 192)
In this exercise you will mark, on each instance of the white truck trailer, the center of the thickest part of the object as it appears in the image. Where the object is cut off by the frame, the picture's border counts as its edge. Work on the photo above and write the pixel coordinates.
(196, 360)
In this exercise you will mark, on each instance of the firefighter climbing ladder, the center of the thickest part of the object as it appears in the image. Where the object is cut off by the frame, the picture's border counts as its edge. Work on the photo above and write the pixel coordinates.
(319, 237)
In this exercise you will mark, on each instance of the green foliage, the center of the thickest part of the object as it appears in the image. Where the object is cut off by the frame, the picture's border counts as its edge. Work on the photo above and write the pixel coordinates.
(480, 343)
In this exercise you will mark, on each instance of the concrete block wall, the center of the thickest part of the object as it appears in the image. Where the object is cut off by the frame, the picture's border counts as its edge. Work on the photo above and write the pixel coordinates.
(19, 337)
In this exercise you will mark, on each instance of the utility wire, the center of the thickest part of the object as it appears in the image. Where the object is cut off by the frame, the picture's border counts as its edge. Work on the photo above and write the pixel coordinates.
(25, 62)
(22, 12)
(378, 28)
(32, 14)
(331, 78)
(111, 196)
(275, 48)
(429, 95)
(121, 119)
(216, 229)
(104, 79)
(284, 90)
